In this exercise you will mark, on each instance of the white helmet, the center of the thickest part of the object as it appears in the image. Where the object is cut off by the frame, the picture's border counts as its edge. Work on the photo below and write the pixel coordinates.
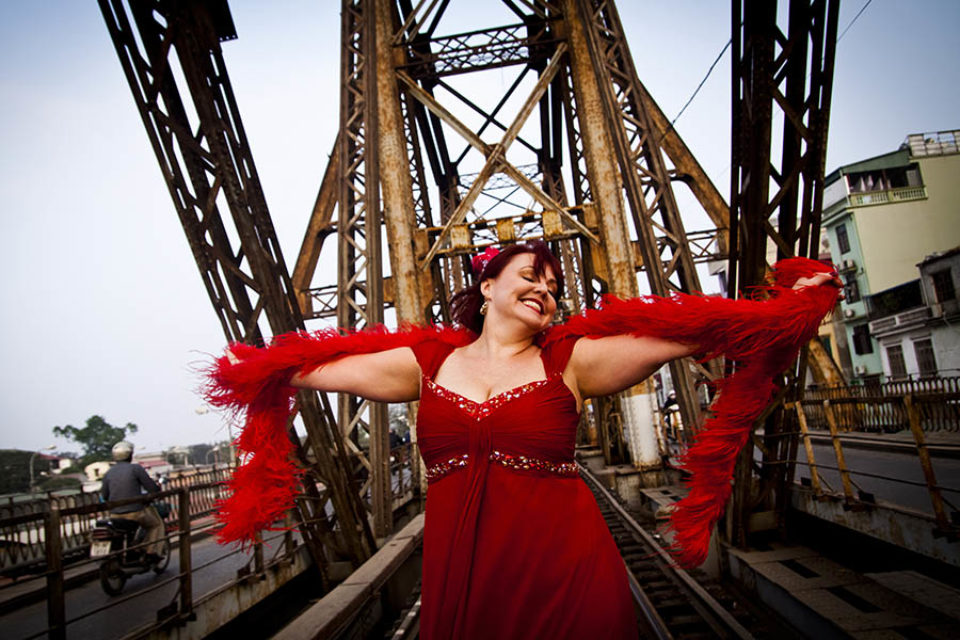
(122, 451)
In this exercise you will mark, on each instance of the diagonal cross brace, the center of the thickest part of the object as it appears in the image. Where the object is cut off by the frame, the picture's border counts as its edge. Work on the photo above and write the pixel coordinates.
(494, 153)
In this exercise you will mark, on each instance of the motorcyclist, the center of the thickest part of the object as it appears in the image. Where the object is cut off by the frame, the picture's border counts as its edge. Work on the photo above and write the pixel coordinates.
(127, 480)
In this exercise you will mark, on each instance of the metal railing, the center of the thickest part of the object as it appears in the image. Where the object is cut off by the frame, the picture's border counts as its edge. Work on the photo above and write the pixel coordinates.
(22, 524)
(912, 406)
(844, 415)
(882, 408)
(190, 499)
(404, 477)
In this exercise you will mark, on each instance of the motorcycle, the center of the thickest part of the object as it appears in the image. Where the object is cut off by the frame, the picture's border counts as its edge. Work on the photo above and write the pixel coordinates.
(119, 543)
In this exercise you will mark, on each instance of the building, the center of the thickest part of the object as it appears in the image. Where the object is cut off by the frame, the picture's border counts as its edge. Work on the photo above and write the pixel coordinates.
(920, 336)
(882, 217)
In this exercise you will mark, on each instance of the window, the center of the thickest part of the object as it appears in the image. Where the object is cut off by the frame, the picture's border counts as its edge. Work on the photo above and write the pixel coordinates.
(861, 340)
(943, 285)
(913, 177)
(926, 360)
(850, 289)
(898, 368)
(843, 240)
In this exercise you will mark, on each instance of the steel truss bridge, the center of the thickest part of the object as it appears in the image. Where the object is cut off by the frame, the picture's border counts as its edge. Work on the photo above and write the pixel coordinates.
(427, 169)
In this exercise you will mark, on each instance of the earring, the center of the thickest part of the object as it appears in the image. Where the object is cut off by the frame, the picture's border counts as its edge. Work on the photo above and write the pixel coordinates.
(484, 307)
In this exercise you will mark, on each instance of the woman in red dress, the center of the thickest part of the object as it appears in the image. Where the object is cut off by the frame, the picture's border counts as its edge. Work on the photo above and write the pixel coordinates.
(514, 543)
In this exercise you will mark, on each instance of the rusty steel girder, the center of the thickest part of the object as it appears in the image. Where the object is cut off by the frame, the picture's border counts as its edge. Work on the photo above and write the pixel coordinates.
(778, 73)
(460, 187)
(207, 164)
(633, 120)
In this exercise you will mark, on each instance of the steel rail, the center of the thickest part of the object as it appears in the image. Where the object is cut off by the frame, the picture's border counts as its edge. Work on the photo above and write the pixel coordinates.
(409, 624)
(713, 613)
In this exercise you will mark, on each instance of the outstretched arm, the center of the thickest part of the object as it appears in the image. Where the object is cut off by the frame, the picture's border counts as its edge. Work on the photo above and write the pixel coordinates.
(611, 363)
(257, 385)
(388, 376)
(604, 366)
(628, 339)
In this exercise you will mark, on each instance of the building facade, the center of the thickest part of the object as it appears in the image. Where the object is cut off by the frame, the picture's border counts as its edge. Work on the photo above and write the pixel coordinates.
(883, 216)
(921, 338)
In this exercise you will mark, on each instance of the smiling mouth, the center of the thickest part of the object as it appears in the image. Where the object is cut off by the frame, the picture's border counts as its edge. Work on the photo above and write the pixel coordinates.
(533, 304)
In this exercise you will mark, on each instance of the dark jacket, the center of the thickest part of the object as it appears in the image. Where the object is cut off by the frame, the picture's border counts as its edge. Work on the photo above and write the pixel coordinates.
(125, 480)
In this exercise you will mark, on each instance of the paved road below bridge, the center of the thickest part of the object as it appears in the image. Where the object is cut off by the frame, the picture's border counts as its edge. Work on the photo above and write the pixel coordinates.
(893, 465)
(122, 617)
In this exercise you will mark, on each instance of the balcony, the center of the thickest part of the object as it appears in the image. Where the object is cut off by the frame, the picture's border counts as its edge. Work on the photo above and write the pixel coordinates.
(900, 322)
(900, 194)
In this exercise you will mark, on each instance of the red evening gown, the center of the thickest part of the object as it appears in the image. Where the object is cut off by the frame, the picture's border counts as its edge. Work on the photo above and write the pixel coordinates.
(514, 543)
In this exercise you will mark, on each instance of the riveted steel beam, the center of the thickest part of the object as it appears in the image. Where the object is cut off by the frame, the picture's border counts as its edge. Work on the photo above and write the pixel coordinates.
(207, 164)
(786, 72)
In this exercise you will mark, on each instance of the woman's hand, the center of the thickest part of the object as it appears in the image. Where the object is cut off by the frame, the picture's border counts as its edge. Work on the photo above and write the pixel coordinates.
(819, 280)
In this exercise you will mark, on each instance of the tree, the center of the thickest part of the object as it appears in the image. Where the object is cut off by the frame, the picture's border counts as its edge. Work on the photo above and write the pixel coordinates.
(97, 438)
(15, 470)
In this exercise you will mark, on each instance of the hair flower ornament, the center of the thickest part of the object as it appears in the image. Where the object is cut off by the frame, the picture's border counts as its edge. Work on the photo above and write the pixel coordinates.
(480, 261)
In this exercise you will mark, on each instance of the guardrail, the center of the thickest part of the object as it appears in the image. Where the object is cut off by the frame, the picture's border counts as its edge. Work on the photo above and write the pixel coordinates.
(23, 525)
(189, 502)
(404, 476)
(841, 416)
(881, 408)
(913, 408)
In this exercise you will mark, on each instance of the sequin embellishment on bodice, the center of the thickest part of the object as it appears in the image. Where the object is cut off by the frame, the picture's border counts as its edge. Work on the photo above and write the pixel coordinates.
(519, 463)
(480, 410)
(514, 546)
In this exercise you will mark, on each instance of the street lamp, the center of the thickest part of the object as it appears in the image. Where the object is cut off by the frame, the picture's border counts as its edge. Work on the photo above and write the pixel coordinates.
(33, 457)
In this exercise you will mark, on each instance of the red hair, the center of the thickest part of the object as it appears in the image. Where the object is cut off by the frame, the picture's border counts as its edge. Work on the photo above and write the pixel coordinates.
(465, 305)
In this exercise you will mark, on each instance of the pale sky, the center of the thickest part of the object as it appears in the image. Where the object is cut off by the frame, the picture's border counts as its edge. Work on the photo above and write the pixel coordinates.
(103, 309)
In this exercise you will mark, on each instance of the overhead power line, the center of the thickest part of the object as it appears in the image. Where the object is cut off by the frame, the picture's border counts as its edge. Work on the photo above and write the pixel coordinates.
(700, 86)
(727, 46)
(862, 9)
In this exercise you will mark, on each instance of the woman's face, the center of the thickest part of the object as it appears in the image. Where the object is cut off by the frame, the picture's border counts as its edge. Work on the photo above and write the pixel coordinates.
(519, 293)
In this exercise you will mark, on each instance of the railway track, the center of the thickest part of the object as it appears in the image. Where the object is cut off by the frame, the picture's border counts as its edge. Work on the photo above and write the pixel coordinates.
(671, 604)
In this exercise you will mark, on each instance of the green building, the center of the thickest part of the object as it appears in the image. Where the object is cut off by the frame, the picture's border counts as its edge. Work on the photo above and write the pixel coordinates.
(882, 217)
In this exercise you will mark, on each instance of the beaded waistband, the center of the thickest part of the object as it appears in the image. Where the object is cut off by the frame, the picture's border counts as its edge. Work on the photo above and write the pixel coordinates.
(520, 463)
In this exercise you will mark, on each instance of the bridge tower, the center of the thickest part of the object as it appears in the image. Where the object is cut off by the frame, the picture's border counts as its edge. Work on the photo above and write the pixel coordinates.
(463, 127)
(454, 137)
(167, 48)
(782, 74)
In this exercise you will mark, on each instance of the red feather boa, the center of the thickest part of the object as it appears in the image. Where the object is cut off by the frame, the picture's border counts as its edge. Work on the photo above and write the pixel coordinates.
(763, 337)
(256, 386)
